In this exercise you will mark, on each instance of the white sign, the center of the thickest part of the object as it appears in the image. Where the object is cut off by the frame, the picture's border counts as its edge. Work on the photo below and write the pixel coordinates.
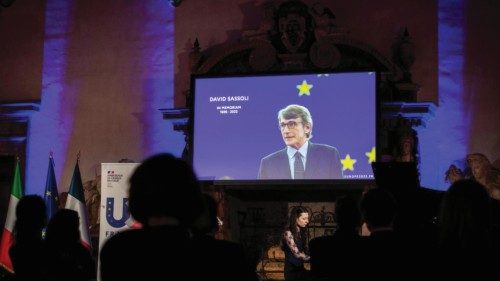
(114, 215)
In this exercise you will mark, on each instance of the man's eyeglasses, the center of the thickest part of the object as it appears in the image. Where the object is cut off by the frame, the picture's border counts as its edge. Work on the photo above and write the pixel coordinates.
(290, 125)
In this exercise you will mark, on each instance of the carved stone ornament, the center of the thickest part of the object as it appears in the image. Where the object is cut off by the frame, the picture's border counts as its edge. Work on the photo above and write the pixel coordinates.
(292, 29)
(263, 57)
(324, 55)
(295, 36)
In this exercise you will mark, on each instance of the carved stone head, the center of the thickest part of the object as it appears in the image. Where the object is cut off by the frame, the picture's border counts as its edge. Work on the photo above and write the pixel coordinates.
(294, 25)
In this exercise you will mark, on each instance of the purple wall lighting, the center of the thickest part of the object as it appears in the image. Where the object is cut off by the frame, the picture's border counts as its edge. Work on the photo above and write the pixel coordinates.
(51, 127)
(445, 140)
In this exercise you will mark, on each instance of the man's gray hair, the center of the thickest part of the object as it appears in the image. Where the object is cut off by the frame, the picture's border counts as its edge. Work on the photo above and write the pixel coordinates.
(297, 111)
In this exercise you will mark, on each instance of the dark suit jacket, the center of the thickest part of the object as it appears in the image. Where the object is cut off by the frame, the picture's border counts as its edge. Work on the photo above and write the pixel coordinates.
(332, 257)
(323, 162)
(222, 260)
(163, 252)
(154, 253)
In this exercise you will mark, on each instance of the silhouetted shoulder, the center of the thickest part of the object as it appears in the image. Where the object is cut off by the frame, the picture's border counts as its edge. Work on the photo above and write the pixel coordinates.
(210, 253)
(145, 253)
(319, 240)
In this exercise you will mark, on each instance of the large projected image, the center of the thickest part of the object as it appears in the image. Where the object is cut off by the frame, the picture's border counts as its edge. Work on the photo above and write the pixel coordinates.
(284, 127)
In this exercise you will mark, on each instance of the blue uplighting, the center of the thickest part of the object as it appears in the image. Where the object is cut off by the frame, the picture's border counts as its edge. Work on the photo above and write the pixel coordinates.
(57, 127)
(51, 127)
(158, 81)
(445, 140)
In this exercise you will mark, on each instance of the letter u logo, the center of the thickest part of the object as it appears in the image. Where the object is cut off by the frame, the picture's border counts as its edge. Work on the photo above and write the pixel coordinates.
(110, 218)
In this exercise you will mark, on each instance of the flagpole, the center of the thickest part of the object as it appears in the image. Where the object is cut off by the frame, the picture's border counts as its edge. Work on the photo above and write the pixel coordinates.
(51, 194)
(76, 201)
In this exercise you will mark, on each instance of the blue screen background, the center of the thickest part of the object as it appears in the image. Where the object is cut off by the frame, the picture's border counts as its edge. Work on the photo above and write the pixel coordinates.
(230, 145)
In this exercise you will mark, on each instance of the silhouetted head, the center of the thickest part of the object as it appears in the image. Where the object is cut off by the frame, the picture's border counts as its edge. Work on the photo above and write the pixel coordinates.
(378, 208)
(347, 214)
(464, 219)
(63, 228)
(164, 186)
(208, 222)
(30, 217)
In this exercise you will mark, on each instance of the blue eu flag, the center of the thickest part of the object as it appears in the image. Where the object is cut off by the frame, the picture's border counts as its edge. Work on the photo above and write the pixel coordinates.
(51, 196)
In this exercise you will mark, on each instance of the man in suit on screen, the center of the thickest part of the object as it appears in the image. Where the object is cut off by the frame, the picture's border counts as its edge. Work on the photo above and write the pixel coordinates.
(300, 159)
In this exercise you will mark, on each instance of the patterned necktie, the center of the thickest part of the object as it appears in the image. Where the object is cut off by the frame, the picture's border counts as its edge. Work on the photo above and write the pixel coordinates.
(298, 169)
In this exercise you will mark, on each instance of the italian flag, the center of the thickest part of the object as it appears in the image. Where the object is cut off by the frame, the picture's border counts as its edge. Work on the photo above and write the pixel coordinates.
(7, 236)
(76, 201)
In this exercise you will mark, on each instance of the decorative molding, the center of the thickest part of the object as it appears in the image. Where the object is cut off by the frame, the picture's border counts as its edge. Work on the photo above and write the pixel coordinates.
(14, 120)
(416, 113)
(14, 127)
(175, 3)
(271, 48)
(18, 110)
(178, 116)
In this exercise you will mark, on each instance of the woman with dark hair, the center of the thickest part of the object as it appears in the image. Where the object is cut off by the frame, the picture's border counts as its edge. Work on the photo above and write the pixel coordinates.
(295, 244)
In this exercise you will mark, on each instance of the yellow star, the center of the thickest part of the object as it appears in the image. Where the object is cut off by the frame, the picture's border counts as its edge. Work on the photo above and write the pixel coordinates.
(348, 163)
(304, 88)
(48, 193)
(371, 155)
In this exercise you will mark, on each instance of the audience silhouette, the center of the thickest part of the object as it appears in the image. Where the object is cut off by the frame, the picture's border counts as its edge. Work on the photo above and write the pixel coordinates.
(465, 219)
(332, 257)
(28, 252)
(379, 209)
(179, 223)
(165, 197)
(207, 224)
(69, 259)
(467, 237)
(212, 253)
